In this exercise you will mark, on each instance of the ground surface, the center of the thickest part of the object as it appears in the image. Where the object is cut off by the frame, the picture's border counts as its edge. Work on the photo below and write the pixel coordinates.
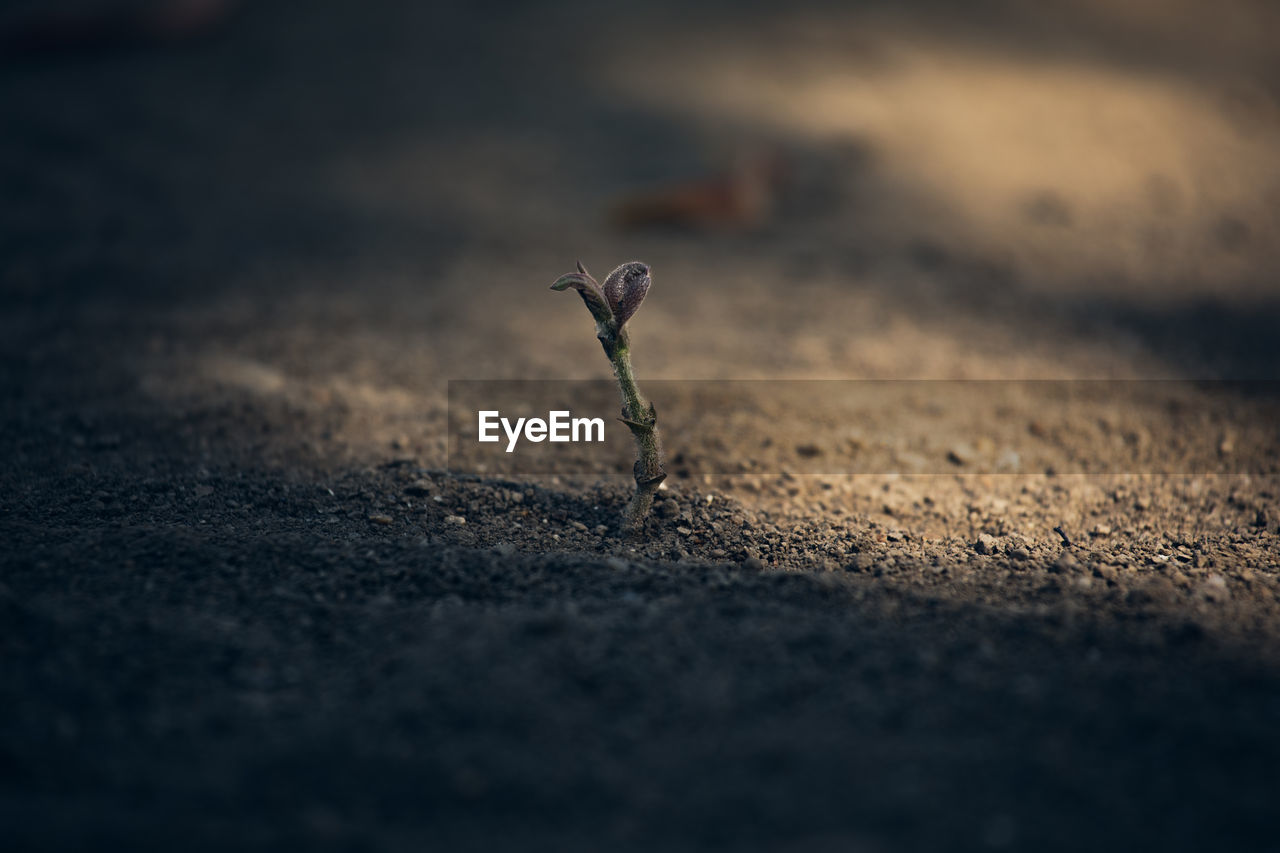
(238, 274)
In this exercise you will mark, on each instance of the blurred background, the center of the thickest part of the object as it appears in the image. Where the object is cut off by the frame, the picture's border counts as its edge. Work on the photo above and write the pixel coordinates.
(378, 191)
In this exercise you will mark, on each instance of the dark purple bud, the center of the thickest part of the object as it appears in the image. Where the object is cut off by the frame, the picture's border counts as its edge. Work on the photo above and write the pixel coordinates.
(625, 289)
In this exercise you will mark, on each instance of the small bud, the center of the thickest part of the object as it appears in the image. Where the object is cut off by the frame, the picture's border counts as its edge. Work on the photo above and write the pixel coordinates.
(625, 289)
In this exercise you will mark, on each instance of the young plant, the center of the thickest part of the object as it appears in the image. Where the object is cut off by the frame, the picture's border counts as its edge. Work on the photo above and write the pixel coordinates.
(612, 306)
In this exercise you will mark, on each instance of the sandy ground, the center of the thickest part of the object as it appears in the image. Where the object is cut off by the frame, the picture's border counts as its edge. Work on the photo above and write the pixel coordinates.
(244, 601)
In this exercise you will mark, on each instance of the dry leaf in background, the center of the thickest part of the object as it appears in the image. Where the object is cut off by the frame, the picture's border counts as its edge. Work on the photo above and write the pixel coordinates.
(742, 198)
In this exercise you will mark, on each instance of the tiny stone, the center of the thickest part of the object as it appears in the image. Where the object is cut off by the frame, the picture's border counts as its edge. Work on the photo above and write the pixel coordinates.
(861, 563)
(1020, 554)
(684, 531)
(601, 530)
(454, 519)
(578, 525)
(986, 544)
(1215, 588)
(380, 519)
(1065, 563)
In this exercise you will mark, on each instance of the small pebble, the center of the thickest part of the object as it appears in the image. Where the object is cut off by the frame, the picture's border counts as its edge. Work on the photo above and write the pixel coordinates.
(1215, 588)
(861, 563)
(454, 519)
(666, 509)
(986, 544)
(1066, 562)
(380, 519)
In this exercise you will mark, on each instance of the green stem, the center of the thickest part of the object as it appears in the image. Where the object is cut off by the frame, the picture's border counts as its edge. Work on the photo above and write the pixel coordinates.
(642, 419)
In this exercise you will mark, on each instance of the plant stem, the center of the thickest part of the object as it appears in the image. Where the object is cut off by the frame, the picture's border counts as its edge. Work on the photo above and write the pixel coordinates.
(642, 419)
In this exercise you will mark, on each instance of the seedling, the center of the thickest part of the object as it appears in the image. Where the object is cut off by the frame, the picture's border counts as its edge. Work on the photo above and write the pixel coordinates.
(612, 306)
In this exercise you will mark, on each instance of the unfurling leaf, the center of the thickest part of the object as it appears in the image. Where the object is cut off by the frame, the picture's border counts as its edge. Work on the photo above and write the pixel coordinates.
(625, 289)
(589, 290)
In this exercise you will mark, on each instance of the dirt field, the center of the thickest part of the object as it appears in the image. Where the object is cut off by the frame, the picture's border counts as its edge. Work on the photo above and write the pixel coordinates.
(246, 604)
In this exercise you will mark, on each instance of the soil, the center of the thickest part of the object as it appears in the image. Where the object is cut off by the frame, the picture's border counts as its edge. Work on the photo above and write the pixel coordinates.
(246, 603)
